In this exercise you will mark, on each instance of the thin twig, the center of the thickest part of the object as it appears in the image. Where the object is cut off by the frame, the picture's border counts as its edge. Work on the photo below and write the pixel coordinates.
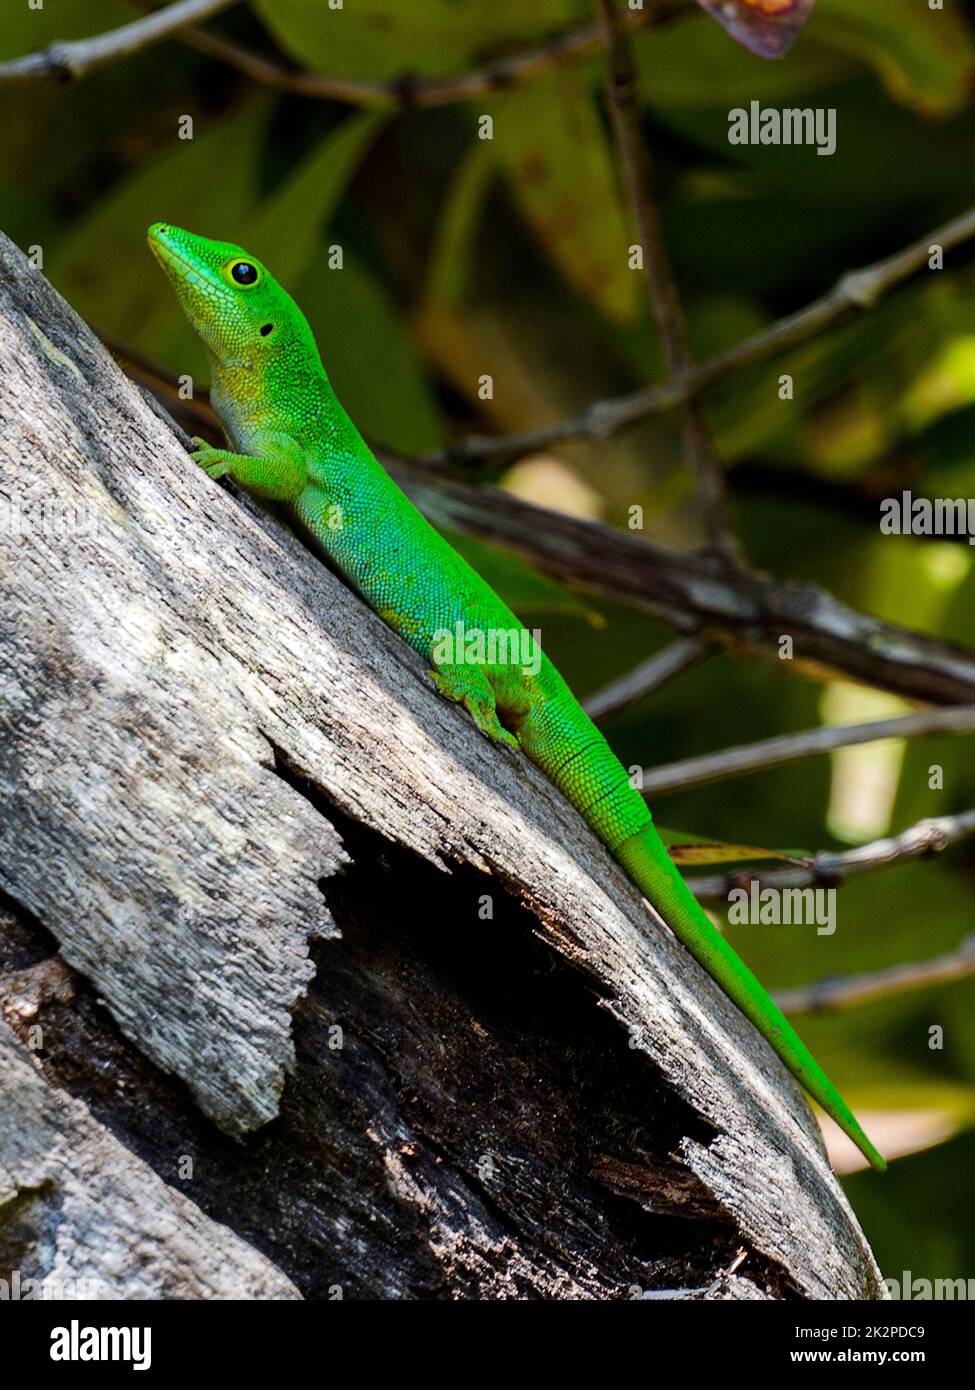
(741, 1255)
(71, 59)
(708, 1290)
(810, 743)
(852, 990)
(646, 678)
(415, 91)
(624, 106)
(832, 867)
(856, 291)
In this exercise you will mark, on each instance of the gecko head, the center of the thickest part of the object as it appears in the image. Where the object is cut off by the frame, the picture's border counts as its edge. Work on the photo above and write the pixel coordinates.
(236, 306)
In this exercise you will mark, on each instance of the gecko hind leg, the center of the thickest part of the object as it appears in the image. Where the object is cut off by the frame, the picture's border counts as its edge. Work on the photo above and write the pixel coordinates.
(470, 687)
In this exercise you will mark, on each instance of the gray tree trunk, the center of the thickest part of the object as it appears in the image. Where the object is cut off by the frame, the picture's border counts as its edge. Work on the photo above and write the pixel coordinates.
(307, 989)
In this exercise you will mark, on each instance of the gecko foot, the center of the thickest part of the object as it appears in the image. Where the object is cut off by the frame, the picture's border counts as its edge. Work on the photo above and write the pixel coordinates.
(468, 686)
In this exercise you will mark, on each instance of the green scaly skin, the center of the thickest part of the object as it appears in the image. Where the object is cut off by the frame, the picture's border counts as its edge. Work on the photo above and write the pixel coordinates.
(295, 444)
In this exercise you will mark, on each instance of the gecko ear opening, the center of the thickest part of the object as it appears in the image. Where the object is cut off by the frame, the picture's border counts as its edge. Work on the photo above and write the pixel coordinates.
(266, 329)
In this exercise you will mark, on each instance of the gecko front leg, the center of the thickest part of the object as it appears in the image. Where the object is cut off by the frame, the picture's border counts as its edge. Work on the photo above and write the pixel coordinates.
(279, 472)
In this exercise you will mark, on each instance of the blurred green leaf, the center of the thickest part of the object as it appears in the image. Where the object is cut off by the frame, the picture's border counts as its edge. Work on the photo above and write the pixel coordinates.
(554, 147)
(925, 57)
(26, 29)
(684, 848)
(379, 39)
(209, 184)
(452, 255)
(284, 230)
(372, 361)
(692, 66)
(926, 60)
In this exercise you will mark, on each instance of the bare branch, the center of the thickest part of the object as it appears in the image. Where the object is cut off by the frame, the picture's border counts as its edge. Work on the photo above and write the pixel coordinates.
(694, 595)
(852, 990)
(810, 743)
(747, 613)
(415, 91)
(72, 59)
(644, 679)
(856, 291)
(832, 867)
(624, 105)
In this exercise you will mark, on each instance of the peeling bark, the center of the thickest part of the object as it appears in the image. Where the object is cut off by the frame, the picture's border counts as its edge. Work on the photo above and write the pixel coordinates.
(82, 1213)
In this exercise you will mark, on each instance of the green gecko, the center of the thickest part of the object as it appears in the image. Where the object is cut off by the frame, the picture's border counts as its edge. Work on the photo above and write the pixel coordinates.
(293, 443)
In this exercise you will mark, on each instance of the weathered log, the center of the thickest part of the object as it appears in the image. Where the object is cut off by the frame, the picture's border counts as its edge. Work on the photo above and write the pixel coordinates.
(361, 988)
(102, 1209)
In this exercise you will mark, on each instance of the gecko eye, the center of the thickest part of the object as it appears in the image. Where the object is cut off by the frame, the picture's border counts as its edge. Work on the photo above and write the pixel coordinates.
(244, 273)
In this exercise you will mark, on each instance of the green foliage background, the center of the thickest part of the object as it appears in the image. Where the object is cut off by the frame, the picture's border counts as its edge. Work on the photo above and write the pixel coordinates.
(508, 256)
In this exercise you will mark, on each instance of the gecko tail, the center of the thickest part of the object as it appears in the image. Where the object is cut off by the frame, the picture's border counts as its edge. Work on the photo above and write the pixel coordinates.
(645, 859)
(571, 751)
